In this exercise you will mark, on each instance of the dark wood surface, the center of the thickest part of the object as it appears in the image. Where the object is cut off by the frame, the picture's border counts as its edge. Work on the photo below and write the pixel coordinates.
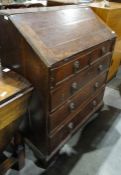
(112, 17)
(78, 63)
(7, 164)
(62, 52)
(11, 84)
(20, 5)
(14, 93)
(57, 3)
(39, 29)
(16, 160)
(67, 88)
(114, 0)
(73, 123)
(74, 103)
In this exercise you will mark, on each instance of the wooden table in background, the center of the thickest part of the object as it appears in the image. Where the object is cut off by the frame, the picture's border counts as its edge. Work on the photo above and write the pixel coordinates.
(112, 17)
(14, 94)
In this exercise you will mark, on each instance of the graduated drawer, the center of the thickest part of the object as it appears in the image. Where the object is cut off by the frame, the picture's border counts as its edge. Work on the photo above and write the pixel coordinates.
(73, 104)
(74, 84)
(66, 130)
(78, 63)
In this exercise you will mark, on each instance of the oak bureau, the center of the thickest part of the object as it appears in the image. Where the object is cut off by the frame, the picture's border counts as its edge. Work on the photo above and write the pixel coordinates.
(65, 53)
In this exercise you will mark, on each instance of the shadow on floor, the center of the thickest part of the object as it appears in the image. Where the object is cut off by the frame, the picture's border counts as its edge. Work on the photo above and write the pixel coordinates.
(99, 134)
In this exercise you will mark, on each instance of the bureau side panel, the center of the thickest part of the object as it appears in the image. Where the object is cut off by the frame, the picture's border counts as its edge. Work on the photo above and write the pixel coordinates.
(18, 55)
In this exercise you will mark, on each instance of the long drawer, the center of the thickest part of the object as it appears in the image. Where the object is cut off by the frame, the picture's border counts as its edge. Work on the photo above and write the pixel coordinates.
(73, 85)
(77, 121)
(78, 63)
(71, 106)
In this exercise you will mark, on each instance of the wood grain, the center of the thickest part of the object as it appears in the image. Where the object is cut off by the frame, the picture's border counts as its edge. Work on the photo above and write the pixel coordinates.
(112, 17)
(82, 114)
(10, 84)
(14, 94)
(12, 111)
(78, 100)
(55, 49)
(49, 41)
(60, 94)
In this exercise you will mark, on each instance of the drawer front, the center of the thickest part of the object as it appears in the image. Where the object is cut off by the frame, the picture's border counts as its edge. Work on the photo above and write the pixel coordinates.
(72, 105)
(78, 63)
(73, 85)
(13, 110)
(71, 126)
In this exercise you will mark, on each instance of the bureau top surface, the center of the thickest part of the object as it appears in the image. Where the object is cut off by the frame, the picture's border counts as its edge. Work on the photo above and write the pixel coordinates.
(11, 84)
(113, 5)
(58, 34)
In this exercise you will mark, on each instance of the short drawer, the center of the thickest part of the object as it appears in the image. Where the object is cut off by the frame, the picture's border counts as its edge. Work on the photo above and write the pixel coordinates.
(70, 127)
(73, 104)
(78, 63)
(74, 84)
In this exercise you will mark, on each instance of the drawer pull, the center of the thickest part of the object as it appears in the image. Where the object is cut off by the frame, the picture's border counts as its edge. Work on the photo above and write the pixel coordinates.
(100, 68)
(94, 103)
(74, 87)
(76, 66)
(71, 106)
(104, 50)
(96, 85)
(70, 125)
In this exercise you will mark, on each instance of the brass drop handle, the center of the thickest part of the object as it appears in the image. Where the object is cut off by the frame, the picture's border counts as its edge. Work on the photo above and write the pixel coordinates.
(71, 125)
(74, 87)
(96, 85)
(76, 66)
(72, 106)
(94, 103)
(104, 50)
(100, 68)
